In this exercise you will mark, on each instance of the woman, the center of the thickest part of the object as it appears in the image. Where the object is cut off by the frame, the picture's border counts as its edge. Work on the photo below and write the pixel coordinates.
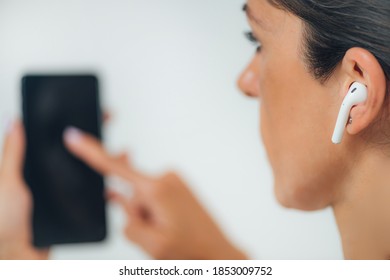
(311, 51)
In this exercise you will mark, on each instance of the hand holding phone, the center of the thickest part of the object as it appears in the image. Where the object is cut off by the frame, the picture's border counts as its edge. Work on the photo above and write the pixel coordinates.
(15, 200)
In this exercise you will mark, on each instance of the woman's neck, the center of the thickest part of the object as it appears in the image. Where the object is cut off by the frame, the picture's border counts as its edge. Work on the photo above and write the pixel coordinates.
(362, 210)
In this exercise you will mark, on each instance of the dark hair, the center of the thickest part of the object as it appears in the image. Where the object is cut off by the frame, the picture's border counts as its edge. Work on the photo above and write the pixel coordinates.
(332, 27)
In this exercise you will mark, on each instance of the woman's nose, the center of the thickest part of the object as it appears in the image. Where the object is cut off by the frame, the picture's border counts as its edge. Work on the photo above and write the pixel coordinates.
(248, 81)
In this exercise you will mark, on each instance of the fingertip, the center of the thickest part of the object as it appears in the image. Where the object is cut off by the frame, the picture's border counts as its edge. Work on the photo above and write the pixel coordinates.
(111, 195)
(72, 136)
(12, 127)
(18, 129)
(124, 158)
(8, 124)
(121, 200)
(106, 117)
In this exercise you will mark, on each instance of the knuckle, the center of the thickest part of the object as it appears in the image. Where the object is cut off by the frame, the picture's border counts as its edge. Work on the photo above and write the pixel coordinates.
(167, 185)
(171, 176)
(160, 188)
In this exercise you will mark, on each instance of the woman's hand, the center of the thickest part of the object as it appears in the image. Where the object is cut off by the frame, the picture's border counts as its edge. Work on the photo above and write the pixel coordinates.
(163, 216)
(15, 201)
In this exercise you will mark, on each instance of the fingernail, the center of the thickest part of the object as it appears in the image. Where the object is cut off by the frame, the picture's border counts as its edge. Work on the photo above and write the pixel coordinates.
(8, 125)
(72, 135)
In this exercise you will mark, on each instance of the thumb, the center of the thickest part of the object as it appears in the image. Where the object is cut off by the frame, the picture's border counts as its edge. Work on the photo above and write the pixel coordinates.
(13, 151)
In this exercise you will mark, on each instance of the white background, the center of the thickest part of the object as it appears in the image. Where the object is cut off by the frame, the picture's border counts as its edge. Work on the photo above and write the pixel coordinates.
(281, 270)
(168, 71)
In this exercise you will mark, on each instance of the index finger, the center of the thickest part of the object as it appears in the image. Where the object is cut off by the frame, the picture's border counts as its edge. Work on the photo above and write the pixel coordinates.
(90, 150)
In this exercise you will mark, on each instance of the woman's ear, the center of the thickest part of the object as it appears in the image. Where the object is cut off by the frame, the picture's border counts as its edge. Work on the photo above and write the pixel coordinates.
(359, 65)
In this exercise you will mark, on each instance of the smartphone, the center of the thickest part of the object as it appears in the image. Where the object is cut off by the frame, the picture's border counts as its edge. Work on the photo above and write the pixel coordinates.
(68, 196)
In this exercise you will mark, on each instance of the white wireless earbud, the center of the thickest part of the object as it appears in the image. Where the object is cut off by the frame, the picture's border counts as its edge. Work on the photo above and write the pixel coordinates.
(356, 94)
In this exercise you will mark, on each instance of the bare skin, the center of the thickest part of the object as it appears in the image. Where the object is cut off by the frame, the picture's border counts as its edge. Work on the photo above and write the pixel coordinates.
(163, 216)
(298, 114)
(15, 202)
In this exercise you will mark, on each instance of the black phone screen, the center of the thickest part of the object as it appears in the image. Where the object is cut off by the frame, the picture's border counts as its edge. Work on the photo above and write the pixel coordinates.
(69, 204)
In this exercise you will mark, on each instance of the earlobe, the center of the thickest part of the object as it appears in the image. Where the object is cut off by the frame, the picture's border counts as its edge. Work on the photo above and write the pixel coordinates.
(362, 66)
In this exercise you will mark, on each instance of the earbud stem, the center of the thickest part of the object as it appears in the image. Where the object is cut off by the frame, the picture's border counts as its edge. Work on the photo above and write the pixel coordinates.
(340, 125)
